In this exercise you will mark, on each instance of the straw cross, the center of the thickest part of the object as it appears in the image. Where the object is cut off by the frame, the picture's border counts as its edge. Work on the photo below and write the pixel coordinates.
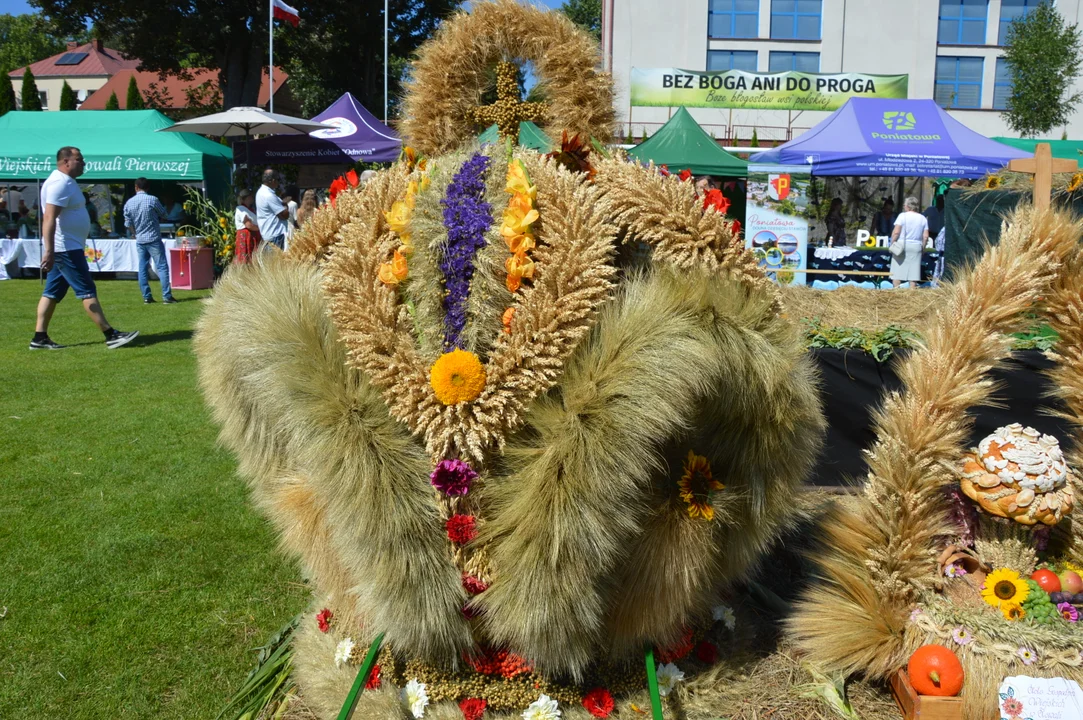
(1042, 166)
(507, 112)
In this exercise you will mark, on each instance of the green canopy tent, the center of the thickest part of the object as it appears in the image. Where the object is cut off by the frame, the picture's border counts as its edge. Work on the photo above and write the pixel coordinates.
(118, 145)
(682, 144)
(1066, 149)
(530, 136)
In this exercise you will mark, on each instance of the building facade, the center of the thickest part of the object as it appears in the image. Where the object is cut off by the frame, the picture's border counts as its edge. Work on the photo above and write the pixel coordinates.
(950, 49)
(84, 67)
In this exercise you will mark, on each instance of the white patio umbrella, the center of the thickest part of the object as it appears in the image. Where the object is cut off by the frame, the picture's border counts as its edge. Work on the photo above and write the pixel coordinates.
(247, 121)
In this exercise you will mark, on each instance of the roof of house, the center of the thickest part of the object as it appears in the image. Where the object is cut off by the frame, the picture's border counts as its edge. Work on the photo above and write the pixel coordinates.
(89, 59)
(169, 87)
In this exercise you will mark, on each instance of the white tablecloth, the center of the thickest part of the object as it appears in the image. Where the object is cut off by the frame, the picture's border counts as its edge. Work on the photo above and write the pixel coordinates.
(118, 255)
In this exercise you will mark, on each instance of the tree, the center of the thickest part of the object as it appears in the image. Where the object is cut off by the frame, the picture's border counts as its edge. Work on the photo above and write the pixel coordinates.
(29, 97)
(134, 100)
(7, 93)
(27, 38)
(1043, 55)
(67, 97)
(585, 13)
(755, 139)
(112, 103)
(338, 47)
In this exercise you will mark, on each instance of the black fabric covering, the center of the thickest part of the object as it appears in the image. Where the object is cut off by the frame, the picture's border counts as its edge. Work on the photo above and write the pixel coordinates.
(973, 221)
(878, 260)
(853, 385)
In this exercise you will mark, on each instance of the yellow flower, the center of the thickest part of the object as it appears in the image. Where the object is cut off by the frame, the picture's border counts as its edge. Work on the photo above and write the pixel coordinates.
(519, 266)
(180, 233)
(1012, 611)
(992, 182)
(519, 215)
(519, 181)
(222, 223)
(1076, 182)
(422, 164)
(394, 272)
(507, 318)
(457, 377)
(411, 192)
(225, 237)
(518, 243)
(1004, 587)
(425, 181)
(696, 486)
(398, 217)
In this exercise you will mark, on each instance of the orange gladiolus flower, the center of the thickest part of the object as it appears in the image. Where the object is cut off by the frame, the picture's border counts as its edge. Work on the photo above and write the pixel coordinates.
(521, 243)
(394, 272)
(506, 320)
(518, 181)
(520, 215)
(519, 266)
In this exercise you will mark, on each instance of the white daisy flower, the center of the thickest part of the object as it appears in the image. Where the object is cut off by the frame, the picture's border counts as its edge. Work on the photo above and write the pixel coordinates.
(668, 676)
(724, 614)
(544, 708)
(416, 697)
(343, 651)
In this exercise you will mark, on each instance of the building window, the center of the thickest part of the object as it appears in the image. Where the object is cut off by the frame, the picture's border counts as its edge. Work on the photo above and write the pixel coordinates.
(733, 19)
(1013, 10)
(799, 61)
(731, 60)
(1002, 85)
(962, 22)
(958, 82)
(795, 19)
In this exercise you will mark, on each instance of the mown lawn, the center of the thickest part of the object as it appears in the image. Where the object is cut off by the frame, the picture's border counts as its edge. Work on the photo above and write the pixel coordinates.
(135, 576)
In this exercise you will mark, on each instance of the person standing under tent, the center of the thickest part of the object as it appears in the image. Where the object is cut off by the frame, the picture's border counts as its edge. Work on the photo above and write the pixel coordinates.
(935, 215)
(884, 221)
(65, 227)
(244, 221)
(271, 213)
(912, 229)
(143, 215)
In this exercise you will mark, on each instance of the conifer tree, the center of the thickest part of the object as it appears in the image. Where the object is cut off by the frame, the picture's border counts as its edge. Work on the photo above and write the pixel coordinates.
(135, 99)
(7, 93)
(67, 97)
(112, 103)
(31, 100)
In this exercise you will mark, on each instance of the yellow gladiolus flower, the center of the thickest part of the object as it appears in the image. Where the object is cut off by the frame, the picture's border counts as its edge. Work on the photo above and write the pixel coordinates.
(411, 192)
(398, 217)
(394, 272)
(425, 181)
(519, 181)
(519, 266)
(520, 214)
(518, 243)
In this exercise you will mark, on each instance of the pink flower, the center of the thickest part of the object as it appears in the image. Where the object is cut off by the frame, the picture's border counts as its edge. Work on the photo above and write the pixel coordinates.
(452, 477)
(1028, 656)
(1012, 707)
(323, 619)
(961, 636)
(1068, 612)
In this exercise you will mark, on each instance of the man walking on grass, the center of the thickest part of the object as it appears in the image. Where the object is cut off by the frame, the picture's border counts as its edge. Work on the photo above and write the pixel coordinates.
(65, 226)
(142, 216)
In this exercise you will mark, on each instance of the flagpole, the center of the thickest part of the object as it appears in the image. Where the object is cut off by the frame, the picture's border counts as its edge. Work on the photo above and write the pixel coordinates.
(385, 60)
(271, 60)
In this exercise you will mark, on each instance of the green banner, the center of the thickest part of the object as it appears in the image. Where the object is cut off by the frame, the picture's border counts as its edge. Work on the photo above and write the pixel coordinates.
(670, 87)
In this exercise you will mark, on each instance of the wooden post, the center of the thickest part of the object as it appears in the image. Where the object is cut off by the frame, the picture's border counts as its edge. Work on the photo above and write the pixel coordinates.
(1043, 166)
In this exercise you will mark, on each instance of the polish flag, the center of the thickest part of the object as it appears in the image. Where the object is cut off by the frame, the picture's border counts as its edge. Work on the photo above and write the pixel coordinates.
(282, 11)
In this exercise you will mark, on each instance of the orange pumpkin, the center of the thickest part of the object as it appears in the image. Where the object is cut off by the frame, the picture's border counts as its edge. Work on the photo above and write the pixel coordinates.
(935, 670)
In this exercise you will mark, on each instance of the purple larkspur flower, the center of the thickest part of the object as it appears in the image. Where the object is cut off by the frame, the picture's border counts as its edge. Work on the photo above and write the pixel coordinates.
(467, 218)
(452, 477)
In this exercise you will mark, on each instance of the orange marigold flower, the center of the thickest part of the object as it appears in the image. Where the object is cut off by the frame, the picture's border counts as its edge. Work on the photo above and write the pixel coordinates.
(457, 377)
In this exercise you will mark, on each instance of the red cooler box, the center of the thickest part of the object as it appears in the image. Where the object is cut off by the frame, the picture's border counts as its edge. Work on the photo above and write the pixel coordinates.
(191, 268)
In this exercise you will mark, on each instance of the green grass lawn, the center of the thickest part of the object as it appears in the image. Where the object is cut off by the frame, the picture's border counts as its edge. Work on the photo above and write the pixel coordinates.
(136, 577)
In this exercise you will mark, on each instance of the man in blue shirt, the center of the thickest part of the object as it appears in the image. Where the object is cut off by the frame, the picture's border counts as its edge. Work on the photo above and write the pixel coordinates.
(142, 216)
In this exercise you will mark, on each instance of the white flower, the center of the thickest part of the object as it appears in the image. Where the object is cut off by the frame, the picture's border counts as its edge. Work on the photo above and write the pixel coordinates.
(544, 708)
(668, 676)
(725, 614)
(415, 697)
(343, 651)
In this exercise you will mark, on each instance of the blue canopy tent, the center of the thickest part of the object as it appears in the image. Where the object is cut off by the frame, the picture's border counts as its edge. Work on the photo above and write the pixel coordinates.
(356, 136)
(902, 138)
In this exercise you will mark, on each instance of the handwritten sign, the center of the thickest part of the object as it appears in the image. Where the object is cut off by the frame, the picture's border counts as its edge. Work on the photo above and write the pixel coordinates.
(1027, 698)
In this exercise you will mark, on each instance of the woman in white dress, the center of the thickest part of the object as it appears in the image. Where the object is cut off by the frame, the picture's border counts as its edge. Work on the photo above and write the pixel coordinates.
(912, 229)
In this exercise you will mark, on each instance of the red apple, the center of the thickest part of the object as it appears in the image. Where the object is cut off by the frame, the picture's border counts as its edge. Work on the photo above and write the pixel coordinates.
(1070, 582)
(1047, 580)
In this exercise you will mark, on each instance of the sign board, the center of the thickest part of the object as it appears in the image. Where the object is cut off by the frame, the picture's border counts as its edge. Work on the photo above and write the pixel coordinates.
(1027, 698)
(791, 90)
(776, 226)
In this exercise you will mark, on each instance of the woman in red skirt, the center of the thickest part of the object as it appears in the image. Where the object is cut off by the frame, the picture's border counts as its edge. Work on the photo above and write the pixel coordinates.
(248, 237)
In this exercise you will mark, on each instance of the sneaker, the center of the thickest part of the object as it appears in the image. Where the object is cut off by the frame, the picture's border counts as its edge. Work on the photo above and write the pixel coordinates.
(169, 301)
(148, 301)
(46, 344)
(120, 338)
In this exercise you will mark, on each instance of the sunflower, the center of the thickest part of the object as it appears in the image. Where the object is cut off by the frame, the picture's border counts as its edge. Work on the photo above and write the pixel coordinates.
(1012, 611)
(1075, 183)
(992, 182)
(697, 485)
(457, 377)
(1004, 587)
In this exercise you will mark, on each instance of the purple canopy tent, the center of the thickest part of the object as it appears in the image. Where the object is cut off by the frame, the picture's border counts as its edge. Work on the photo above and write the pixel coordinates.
(881, 137)
(356, 135)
